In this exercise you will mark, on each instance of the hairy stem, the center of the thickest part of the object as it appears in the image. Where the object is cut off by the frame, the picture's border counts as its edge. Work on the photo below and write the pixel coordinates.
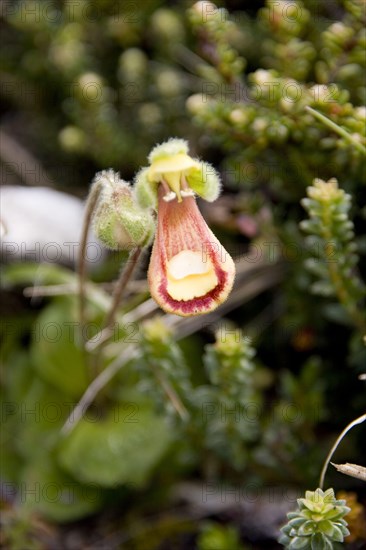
(81, 266)
(126, 274)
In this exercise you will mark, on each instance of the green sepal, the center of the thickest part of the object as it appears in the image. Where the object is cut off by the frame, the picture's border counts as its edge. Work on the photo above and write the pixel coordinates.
(205, 181)
(146, 192)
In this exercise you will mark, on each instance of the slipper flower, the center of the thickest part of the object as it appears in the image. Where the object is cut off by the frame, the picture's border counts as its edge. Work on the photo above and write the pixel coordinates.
(190, 272)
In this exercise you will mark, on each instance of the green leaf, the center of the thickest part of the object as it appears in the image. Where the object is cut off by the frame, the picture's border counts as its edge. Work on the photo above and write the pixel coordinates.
(307, 528)
(18, 375)
(55, 353)
(329, 495)
(297, 543)
(218, 537)
(40, 274)
(320, 542)
(122, 448)
(16, 381)
(39, 418)
(292, 515)
(326, 527)
(297, 522)
(10, 460)
(46, 490)
(284, 540)
(311, 505)
(337, 534)
(335, 513)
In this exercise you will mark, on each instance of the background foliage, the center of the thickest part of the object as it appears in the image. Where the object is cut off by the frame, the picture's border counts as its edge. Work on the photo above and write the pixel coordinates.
(262, 390)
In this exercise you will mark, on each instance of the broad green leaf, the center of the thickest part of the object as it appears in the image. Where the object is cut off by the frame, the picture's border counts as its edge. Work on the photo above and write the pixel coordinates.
(9, 458)
(122, 448)
(34, 273)
(56, 355)
(47, 490)
(17, 375)
(39, 416)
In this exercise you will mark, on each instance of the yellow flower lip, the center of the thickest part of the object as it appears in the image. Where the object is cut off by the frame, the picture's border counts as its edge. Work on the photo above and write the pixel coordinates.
(174, 163)
(186, 263)
(171, 169)
(190, 275)
(190, 272)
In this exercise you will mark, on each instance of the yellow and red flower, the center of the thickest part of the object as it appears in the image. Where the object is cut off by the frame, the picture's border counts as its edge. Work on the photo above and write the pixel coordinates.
(190, 272)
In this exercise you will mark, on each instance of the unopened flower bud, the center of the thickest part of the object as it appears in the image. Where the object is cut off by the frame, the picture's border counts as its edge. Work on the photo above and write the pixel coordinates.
(119, 222)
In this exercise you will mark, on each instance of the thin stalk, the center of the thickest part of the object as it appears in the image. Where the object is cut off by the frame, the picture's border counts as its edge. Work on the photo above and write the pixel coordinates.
(252, 282)
(102, 336)
(63, 289)
(173, 396)
(340, 131)
(131, 352)
(358, 420)
(81, 265)
(94, 388)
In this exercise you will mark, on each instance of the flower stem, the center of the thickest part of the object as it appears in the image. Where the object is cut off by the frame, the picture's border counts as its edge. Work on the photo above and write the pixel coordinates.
(99, 339)
(94, 388)
(81, 266)
(358, 420)
(173, 396)
(338, 129)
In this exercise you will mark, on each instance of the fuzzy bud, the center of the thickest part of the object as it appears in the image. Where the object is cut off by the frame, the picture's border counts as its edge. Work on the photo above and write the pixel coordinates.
(118, 221)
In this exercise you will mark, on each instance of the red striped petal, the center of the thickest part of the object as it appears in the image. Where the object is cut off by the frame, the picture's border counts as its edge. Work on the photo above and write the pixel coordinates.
(181, 227)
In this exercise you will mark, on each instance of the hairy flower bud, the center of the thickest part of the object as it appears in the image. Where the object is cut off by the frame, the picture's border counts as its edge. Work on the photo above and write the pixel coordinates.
(119, 222)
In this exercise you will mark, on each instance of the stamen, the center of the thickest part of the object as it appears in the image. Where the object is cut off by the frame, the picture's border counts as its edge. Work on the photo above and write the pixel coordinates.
(169, 196)
(187, 193)
(183, 183)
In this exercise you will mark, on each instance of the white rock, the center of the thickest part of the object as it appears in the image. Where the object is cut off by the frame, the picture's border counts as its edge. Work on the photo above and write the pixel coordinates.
(43, 225)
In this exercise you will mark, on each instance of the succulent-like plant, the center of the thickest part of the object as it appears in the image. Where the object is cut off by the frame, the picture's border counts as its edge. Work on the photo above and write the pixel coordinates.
(332, 246)
(317, 523)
